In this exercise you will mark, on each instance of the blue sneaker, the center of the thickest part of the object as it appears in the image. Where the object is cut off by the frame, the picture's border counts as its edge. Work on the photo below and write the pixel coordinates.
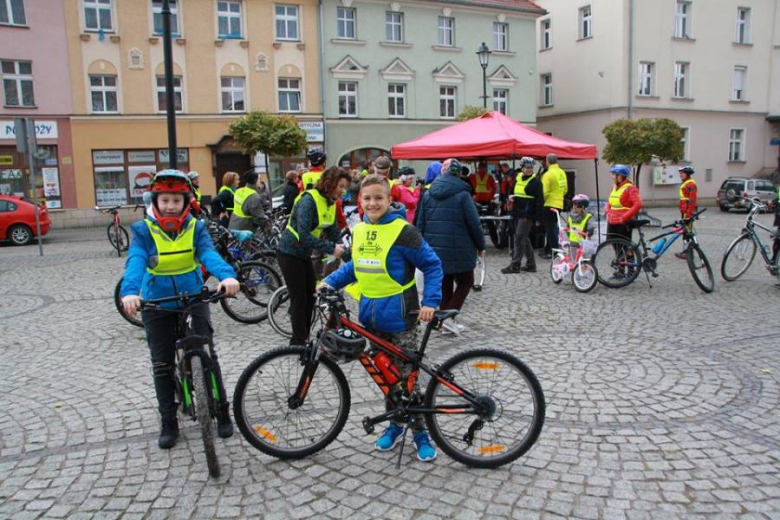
(389, 438)
(425, 452)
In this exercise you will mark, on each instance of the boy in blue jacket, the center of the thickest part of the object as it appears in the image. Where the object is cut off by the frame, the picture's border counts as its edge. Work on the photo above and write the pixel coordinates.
(164, 260)
(385, 252)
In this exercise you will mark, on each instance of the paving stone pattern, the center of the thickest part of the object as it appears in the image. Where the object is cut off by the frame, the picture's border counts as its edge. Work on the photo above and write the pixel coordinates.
(662, 403)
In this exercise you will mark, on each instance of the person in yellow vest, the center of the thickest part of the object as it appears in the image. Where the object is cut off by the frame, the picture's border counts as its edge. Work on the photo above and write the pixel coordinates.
(385, 252)
(580, 223)
(164, 260)
(527, 205)
(222, 205)
(622, 206)
(195, 180)
(689, 201)
(483, 184)
(247, 205)
(312, 226)
(316, 158)
(555, 186)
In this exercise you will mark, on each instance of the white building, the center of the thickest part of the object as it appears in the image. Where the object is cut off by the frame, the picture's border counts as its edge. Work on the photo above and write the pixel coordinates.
(713, 67)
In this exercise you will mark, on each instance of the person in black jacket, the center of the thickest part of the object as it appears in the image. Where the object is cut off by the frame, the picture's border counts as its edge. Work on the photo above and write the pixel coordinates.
(291, 191)
(527, 207)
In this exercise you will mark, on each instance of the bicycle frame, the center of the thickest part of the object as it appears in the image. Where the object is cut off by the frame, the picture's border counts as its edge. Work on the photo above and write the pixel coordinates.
(750, 229)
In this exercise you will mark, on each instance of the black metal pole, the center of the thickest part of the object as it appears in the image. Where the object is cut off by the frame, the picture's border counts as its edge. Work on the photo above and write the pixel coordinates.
(170, 106)
(598, 198)
(484, 87)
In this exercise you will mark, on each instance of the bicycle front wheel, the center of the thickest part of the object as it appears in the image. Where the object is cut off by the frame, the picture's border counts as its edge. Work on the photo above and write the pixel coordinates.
(738, 257)
(279, 312)
(121, 308)
(700, 268)
(258, 282)
(118, 237)
(510, 392)
(203, 413)
(557, 268)
(584, 277)
(267, 420)
(617, 262)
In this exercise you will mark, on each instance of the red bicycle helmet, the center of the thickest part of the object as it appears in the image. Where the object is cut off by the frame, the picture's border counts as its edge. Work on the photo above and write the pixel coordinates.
(171, 181)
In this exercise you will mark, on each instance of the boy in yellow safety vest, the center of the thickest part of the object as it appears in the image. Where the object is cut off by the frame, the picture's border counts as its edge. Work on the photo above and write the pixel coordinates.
(580, 224)
(386, 249)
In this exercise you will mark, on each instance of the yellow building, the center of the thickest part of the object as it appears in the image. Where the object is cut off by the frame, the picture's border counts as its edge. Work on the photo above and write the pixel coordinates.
(230, 56)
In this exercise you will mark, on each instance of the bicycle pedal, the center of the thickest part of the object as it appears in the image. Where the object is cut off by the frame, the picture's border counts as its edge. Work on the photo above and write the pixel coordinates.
(368, 426)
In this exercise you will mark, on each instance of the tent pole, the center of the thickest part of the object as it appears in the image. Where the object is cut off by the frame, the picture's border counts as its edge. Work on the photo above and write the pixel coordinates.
(598, 197)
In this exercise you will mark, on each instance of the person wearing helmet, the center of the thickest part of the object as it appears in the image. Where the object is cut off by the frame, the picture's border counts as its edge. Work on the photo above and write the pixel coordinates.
(555, 185)
(405, 193)
(484, 185)
(689, 197)
(527, 204)
(195, 180)
(248, 207)
(164, 260)
(316, 158)
(385, 253)
(580, 222)
(622, 206)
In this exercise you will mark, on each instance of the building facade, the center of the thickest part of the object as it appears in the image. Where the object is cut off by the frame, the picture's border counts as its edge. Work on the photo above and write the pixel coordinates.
(230, 57)
(712, 70)
(36, 84)
(396, 71)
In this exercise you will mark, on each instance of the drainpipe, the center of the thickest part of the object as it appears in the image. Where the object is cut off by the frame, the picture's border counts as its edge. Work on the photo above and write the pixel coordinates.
(630, 58)
(322, 74)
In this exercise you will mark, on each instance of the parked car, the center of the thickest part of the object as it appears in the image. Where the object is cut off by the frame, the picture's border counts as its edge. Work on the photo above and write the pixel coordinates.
(17, 219)
(749, 188)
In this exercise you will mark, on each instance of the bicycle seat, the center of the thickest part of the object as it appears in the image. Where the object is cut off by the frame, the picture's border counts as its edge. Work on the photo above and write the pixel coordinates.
(634, 224)
(445, 315)
(242, 235)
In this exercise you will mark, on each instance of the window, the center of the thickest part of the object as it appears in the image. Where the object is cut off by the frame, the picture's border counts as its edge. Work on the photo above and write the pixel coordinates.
(682, 20)
(347, 99)
(17, 83)
(229, 19)
(446, 31)
(394, 27)
(233, 95)
(742, 33)
(102, 89)
(739, 84)
(98, 16)
(547, 93)
(736, 145)
(586, 22)
(546, 34)
(500, 100)
(177, 96)
(12, 12)
(290, 95)
(345, 19)
(396, 100)
(500, 36)
(685, 142)
(447, 98)
(158, 18)
(682, 79)
(122, 176)
(646, 78)
(287, 22)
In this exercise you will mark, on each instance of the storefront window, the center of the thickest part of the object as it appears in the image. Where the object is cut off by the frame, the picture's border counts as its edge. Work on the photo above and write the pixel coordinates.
(15, 175)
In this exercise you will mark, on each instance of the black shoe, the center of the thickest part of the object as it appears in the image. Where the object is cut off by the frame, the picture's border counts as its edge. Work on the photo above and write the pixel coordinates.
(511, 269)
(169, 433)
(545, 256)
(528, 269)
(224, 424)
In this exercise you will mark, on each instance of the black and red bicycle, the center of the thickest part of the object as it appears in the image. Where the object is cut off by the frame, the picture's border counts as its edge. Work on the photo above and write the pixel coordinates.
(483, 407)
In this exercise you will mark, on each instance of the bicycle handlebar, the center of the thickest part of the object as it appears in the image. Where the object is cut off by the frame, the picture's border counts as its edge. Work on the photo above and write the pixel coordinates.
(680, 222)
(189, 299)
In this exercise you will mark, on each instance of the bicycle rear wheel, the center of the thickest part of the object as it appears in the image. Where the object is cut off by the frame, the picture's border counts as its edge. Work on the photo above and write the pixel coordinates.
(203, 413)
(617, 262)
(584, 277)
(700, 268)
(118, 237)
(258, 281)
(279, 312)
(121, 308)
(510, 391)
(263, 412)
(738, 258)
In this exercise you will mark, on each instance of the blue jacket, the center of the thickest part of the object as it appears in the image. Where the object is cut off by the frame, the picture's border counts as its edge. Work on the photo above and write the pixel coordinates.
(138, 281)
(393, 314)
(449, 222)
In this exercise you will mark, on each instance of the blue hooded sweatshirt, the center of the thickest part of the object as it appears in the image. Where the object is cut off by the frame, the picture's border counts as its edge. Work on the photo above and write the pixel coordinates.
(433, 171)
(393, 314)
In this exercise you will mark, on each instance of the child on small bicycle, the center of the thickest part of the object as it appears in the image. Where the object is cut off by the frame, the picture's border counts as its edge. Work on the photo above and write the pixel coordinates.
(164, 260)
(385, 252)
(580, 221)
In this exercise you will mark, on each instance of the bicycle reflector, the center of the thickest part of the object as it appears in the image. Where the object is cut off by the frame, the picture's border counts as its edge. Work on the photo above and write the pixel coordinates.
(342, 345)
(265, 433)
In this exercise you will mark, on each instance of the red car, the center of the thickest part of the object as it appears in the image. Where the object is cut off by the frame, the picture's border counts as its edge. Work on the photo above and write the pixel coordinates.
(17, 219)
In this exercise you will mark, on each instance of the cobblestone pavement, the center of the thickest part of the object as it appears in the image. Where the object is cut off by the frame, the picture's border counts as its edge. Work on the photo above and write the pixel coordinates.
(663, 402)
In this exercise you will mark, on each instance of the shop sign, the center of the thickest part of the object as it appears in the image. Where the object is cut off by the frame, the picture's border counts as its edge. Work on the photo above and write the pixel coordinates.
(140, 179)
(53, 204)
(108, 157)
(10, 174)
(181, 153)
(115, 197)
(315, 131)
(6, 160)
(43, 129)
(51, 182)
(141, 156)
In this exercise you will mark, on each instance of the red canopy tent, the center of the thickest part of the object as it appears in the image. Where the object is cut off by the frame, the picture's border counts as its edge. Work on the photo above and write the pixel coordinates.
(492, 135)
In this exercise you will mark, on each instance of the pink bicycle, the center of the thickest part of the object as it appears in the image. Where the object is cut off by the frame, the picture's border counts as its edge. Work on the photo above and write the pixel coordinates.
(574, 259)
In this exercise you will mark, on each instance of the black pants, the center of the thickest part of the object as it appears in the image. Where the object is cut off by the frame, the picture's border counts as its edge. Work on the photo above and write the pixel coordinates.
(161, 336)
(300, 280)
(550, 221)
(523, 245)
(454, 289)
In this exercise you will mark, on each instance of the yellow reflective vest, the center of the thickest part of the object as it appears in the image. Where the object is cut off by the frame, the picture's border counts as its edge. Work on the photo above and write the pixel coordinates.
(310, 179)
(174, 256)
(239, 197)
(614, 197)
(682, 189)
(371, 244)
(576, 228)
(326, 214)
(520, 185)
(231, 190)
(196, 192)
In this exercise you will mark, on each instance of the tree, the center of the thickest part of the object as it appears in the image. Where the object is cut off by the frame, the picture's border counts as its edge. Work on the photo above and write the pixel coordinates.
(271, 134)
(636, 141)
(471, 112)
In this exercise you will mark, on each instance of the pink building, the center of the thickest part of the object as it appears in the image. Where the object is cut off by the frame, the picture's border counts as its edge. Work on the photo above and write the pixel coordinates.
(36, 83)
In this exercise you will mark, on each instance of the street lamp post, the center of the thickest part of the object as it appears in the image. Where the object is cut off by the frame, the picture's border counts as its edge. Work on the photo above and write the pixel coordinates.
(169, 94)
(484, 55)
